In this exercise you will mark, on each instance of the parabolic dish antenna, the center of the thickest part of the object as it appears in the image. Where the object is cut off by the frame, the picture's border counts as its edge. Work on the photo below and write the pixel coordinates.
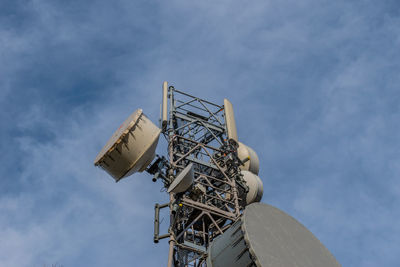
(267, 237)
(256, 188)
(183, 180)
(253, 163)
(131, 148)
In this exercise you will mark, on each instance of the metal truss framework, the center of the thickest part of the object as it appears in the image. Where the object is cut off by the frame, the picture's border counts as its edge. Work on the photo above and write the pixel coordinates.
(196, 133)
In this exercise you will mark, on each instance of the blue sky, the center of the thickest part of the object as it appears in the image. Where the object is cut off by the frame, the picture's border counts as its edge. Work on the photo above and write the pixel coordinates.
(315, 86)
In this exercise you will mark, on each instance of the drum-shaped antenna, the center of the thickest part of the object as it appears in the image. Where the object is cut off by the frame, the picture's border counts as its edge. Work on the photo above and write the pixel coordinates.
(131, 148)
(249, 156)
(230, 120)
(267, 237)
(183, 180)
(255, 185)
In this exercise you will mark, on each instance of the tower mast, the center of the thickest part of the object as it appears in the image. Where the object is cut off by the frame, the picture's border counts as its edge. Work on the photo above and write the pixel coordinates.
(198, 142)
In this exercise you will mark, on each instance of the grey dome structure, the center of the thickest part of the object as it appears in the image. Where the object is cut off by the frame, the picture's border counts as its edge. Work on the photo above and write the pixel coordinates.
(268, 237)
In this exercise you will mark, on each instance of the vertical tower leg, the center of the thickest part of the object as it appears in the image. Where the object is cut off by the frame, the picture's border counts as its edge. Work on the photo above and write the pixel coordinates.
(171, 238)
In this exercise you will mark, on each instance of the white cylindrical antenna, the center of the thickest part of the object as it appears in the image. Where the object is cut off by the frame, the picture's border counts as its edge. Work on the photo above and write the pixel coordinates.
(230, 120)
(164, 120)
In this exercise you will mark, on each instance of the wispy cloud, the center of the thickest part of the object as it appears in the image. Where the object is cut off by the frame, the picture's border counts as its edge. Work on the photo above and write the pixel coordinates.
(314, 86)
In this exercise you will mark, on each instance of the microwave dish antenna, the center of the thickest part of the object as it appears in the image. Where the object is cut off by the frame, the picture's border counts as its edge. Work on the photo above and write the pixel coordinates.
(131, 148)
(249, 158)
(183, 180)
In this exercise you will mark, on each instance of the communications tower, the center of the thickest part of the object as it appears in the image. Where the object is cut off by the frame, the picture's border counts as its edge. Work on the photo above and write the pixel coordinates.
(211, 178)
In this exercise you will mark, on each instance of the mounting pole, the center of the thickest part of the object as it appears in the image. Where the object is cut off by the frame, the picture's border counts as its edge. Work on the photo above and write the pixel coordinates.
(171, 236)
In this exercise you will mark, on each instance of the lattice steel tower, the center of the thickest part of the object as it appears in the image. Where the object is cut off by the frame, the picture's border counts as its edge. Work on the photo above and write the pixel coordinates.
(199, 143)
